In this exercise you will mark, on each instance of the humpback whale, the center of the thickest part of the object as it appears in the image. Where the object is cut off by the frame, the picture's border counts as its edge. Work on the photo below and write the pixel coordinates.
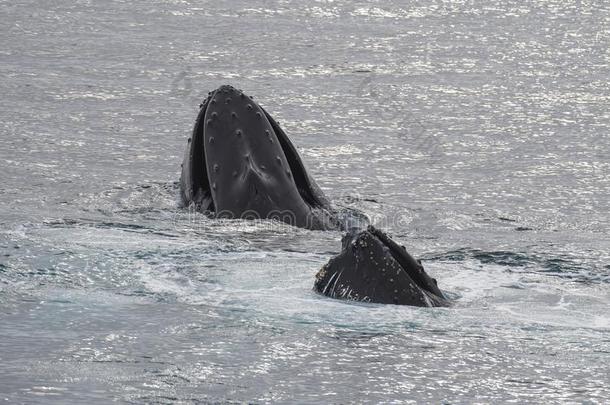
(373, 268)
(239, 163)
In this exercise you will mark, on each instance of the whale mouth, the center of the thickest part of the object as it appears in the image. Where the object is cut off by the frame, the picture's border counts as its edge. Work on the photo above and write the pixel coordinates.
(195, 185)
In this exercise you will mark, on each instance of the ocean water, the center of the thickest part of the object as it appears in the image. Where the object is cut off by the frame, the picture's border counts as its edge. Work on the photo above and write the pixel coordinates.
(476, 133)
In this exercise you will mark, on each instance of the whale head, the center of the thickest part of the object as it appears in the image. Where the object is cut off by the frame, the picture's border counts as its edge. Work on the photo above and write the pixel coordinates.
(240, 164)
(373, 268)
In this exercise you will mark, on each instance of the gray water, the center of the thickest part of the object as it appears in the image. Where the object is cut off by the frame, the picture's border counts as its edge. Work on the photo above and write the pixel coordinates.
(476, 133)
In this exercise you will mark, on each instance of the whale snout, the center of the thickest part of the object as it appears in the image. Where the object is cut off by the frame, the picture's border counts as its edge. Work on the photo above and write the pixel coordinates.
(240, 161)
(373, 268)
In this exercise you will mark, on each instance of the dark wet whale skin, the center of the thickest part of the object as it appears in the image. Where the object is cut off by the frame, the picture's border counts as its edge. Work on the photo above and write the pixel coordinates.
(240, 164)
(373, 268)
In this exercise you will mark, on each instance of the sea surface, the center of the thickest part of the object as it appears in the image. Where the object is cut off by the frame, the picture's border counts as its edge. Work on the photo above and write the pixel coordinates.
(477, 133)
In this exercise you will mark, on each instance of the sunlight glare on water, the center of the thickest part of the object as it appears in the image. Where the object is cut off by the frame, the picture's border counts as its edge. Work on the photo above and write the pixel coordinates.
(475, 133)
